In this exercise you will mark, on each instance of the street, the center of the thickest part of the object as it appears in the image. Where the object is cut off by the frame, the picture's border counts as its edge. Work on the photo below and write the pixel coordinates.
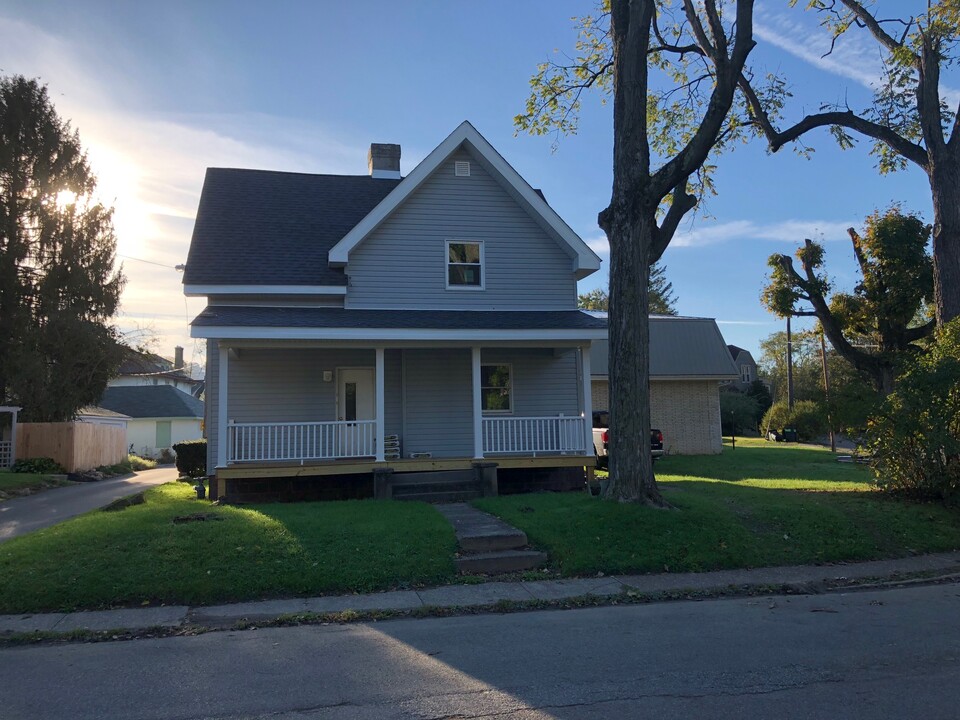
(878, 654)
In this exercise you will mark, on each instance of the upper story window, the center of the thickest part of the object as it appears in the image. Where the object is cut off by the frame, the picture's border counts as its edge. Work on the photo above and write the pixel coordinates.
(746, 374)
(464, 265)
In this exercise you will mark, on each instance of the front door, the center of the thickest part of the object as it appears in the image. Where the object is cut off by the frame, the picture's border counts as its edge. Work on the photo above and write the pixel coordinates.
(356, 400)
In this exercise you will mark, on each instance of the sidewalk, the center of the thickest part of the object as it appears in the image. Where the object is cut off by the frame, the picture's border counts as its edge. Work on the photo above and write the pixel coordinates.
(799, 579)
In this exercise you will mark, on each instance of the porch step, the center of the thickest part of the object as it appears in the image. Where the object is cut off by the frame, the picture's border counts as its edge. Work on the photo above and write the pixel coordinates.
(452, 486)
(501, 561)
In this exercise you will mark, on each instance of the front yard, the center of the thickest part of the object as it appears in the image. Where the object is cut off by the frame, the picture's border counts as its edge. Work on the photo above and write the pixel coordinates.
(760, 504)
(757, 505)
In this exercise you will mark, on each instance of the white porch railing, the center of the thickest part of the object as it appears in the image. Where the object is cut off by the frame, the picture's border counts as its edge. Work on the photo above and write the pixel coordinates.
(533, 435)
(260, 442)
(6, 453)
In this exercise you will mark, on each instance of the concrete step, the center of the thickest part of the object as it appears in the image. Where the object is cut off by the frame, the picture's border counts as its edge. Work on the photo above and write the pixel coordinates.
(492, 541)
(501, 561)
(440, 496)
(433, 477)
(404, 489)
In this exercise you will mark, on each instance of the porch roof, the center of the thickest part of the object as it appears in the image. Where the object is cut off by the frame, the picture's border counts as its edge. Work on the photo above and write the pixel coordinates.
(234, 321)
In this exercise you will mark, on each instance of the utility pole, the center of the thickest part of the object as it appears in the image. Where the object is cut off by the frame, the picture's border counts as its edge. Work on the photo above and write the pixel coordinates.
(789, 366)
(826, 389)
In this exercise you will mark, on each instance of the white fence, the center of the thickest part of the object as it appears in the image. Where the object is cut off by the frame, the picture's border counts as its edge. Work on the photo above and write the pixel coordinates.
(6, 453)
(259, 442)
(533, 435)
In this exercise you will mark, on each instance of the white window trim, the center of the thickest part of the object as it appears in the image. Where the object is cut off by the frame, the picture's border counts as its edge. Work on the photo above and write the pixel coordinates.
(509, 367)
(446, 265)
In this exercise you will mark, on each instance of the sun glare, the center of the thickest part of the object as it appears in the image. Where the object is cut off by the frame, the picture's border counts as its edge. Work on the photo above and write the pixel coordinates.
(66, 198)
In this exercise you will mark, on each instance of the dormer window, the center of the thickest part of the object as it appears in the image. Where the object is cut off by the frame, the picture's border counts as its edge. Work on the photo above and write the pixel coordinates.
(464, 265)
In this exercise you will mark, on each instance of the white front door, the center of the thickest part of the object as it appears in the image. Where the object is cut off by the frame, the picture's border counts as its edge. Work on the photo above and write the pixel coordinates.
(356, 400)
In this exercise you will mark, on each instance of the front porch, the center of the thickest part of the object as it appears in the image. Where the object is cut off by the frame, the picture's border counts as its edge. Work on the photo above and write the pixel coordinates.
(322, 413)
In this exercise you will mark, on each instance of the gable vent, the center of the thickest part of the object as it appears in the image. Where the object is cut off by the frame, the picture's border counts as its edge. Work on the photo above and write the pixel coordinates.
(461, 168)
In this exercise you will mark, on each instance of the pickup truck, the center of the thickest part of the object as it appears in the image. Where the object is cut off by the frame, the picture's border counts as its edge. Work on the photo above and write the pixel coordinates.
(601, 425)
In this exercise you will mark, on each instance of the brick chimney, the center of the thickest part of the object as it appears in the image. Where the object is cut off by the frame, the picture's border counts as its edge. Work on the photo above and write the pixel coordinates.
(383, 161)
(177, 357)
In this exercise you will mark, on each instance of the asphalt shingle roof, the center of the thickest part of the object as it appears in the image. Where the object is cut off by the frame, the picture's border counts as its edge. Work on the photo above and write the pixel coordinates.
(148, 401)
(260, 227)
(242, 316)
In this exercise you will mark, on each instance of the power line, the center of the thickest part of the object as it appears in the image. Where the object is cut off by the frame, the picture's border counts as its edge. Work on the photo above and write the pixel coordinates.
(149, 262)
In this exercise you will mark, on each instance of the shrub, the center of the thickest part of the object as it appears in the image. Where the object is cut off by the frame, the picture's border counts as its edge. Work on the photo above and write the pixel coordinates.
(42, 465)
(167, 456)
(806, 417)
(138, 463)
(915, 436)
(192, 458)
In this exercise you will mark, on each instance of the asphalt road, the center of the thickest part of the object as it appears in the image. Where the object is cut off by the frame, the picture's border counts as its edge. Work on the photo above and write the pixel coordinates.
(889, 654)
(26, 514)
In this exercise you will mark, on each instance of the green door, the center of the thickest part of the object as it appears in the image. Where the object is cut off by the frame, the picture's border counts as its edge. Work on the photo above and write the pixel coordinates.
(163, 434)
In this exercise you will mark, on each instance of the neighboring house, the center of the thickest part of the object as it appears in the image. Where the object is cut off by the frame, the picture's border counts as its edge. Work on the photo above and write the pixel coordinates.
(160, 416)
(101, 416)
(688, 362)
(365, 328)
(140, 369)
(746, 368)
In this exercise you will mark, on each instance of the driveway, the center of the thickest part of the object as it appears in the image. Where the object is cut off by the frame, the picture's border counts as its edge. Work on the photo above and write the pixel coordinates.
(26, 514)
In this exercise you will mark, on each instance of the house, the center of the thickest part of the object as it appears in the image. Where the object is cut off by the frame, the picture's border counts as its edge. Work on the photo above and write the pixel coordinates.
(143, 369)
(363, 331)
(688, 362)
(746, 368)
(158, 416)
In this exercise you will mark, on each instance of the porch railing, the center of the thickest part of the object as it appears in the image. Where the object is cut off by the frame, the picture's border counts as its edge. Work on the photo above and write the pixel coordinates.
(533, 435)
(260, 442)
(6, 453)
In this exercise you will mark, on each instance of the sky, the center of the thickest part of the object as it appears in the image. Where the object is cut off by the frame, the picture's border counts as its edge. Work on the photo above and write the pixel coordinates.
(161, 91)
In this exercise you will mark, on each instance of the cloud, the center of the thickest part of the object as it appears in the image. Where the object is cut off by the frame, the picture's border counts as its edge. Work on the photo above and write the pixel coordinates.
(793, 231)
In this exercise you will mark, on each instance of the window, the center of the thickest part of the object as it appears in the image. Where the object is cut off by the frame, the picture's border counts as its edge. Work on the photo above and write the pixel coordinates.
(496, 388)
(746, 373)
(464, 265)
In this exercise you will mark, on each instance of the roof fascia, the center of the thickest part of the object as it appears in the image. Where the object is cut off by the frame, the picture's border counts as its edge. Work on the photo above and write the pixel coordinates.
(585, 261)
(289, 333)
(206, 290)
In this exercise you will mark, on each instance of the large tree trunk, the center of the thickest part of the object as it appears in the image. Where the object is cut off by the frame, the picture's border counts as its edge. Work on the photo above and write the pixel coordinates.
(945, 186)
(631, 465)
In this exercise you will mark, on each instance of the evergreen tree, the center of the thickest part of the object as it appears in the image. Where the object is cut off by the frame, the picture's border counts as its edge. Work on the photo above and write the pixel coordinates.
(662, 298)
(58, 288)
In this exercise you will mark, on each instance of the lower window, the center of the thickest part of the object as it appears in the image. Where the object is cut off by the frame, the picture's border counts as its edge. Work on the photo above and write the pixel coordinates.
(496, 388)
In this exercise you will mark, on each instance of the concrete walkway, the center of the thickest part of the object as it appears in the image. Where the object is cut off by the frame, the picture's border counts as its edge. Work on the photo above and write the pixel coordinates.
(800, 579)
(33, 512)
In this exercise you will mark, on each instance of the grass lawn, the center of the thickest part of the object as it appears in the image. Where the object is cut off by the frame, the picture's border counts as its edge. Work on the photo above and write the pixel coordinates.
(17, 484)
(760, 504)
(140, 556)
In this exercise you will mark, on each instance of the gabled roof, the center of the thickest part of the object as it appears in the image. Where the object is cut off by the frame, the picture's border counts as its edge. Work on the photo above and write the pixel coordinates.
(151, 401)
(265, 228)
(585, 261)
(736, 351)
(145, 364)
(680, 347)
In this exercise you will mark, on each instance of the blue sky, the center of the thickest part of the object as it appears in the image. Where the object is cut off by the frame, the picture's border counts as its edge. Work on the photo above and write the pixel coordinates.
(160, 91)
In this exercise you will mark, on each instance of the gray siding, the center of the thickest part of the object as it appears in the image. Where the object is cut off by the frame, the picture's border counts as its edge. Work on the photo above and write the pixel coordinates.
(438, 403)
(403, 265)
(544, 384)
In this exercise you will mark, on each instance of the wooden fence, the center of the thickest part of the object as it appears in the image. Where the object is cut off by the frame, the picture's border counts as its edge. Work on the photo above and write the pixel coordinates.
(77, 446)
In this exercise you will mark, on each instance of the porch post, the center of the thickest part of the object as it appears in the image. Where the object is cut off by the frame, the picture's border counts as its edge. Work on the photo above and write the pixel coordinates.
(223, 426)
(13, 437)
(587, 399)
(477, 407)
(381, 404)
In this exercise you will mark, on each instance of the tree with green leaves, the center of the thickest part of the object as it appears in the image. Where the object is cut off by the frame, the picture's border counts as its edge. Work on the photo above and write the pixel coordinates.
(873, 327)
(662, 298)
(58, 286)
(908, 120)
(673, 67)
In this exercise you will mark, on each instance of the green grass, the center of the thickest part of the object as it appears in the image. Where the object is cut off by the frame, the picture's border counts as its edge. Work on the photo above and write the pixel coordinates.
(758, 505)
(140, 556)
(17, 484)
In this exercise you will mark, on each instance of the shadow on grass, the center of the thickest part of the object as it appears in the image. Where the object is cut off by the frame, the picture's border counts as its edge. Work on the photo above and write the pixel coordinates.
(140, 556)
